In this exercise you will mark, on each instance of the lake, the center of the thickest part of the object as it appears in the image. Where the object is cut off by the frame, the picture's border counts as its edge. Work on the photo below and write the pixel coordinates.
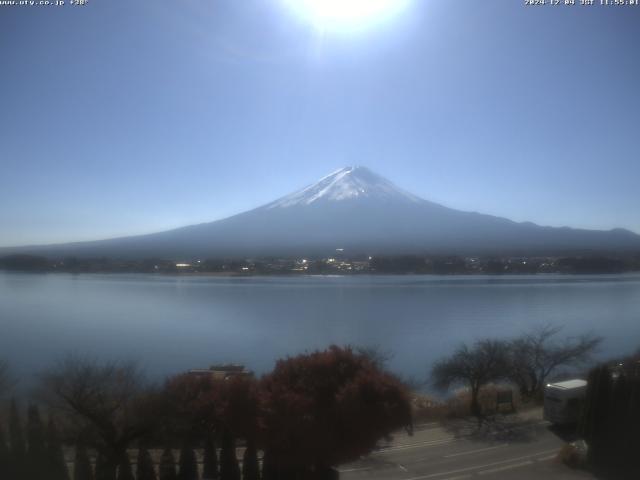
(174, 323)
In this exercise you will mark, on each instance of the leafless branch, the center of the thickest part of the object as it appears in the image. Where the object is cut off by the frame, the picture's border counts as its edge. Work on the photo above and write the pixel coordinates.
(536, 355)
(102, 402)
(379, 356)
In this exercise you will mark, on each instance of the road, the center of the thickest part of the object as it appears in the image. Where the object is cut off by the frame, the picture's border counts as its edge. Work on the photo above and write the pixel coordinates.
(505, 447)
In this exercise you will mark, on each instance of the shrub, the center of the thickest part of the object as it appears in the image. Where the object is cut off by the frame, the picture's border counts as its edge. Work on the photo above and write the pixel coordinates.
(328, 407)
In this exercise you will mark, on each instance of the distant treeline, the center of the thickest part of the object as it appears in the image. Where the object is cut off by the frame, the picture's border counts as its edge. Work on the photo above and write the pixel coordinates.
(387, 264)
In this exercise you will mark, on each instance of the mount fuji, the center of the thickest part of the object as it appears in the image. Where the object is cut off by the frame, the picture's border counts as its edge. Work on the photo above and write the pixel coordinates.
(356, 210)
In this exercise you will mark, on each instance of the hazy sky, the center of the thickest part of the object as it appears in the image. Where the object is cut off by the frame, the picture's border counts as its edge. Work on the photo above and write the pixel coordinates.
(125, 117)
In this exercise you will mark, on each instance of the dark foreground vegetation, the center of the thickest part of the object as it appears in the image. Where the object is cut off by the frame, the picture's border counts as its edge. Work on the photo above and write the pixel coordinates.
(311, 413)
(611, 419)
(339, 264)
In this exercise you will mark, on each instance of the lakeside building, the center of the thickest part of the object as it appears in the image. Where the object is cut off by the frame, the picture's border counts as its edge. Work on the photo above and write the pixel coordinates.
(222, 371)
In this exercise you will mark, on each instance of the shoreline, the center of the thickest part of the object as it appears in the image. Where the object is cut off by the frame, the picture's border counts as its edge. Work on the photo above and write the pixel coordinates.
(325, 275)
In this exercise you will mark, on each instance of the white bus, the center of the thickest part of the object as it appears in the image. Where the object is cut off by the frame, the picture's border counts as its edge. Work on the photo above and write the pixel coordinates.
(563, 401)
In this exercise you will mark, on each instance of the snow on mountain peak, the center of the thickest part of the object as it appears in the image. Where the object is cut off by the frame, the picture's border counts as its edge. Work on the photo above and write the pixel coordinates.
(348, 183)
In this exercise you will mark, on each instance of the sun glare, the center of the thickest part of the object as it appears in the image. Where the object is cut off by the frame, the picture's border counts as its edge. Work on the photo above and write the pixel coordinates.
(345, 14)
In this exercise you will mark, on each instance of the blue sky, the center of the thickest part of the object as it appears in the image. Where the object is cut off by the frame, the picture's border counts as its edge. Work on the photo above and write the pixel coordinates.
(125, 117)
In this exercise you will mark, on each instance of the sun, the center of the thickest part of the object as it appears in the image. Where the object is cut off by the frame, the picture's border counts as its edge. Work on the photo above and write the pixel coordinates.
(345, 14)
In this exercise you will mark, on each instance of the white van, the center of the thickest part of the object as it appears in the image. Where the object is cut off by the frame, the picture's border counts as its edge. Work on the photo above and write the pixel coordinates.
(563, 401)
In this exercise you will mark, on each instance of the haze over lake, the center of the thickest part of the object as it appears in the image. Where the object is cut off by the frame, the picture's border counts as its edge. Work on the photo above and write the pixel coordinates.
(173, 323)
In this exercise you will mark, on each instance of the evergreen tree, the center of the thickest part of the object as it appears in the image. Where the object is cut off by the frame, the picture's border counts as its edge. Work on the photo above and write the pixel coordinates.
(144, 469)
(596, 414)
(210, 460)
(4, 455)
(167, 466)
(229, 469)
(17, 444)
(618, 425)
(104, 470)
(56, 463)
(37, 449)
(269, 469)
(82, 465)
(250, 467)
(188, 464)
(633, 427)
(610, 420)
(124, 468)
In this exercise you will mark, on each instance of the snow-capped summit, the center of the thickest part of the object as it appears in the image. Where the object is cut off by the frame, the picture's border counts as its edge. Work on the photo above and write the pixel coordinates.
(346, 184)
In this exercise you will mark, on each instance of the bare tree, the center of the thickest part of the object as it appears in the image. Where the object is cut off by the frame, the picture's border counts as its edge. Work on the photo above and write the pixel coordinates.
(106, 406)
(484, 362)
(381, 357)
(535, 355)
(377, 355)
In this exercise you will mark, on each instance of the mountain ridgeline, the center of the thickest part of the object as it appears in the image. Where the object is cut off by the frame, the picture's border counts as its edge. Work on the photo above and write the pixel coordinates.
(356, 210)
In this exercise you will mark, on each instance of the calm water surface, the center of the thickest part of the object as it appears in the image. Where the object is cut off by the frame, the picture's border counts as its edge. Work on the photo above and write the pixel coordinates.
(172, 323)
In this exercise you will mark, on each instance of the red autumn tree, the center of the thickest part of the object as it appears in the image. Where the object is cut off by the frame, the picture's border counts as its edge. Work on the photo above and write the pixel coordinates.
(326, 408)
(238, 407)
(199, 405)
(190, 406)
